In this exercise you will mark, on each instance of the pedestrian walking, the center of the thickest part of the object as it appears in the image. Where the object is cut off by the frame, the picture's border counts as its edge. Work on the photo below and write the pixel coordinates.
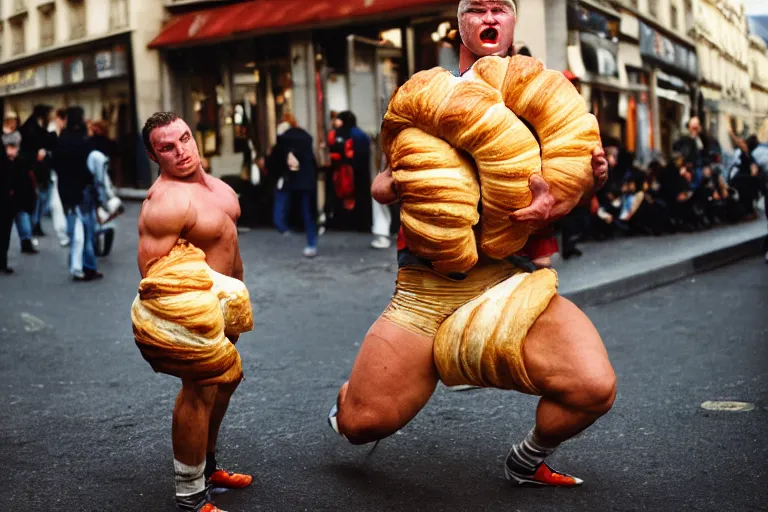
(78, 195)
(59, 219)
(293, 161)
(17, 190)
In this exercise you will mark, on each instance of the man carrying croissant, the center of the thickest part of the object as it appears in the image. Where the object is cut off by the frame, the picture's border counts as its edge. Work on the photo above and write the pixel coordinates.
(186, 203)
(531, 339)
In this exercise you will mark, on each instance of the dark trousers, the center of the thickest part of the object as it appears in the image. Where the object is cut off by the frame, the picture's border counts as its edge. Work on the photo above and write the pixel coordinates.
(6, 225)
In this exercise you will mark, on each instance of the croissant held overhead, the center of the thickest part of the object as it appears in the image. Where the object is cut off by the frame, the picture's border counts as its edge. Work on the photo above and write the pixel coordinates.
(477, 114)
(184, 312)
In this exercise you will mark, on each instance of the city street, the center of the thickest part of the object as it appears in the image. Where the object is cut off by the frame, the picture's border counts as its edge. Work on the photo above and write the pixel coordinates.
(85, 424)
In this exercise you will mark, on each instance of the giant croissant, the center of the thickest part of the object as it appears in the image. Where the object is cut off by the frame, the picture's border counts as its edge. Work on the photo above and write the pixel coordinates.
(183, 314)
(481, 343)
(435, 118)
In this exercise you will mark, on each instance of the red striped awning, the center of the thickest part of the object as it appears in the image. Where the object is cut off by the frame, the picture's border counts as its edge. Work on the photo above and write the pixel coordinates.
(229, 21)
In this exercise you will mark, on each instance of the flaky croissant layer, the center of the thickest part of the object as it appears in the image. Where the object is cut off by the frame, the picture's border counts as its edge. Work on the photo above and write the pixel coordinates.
(184, 312)
(452, 140)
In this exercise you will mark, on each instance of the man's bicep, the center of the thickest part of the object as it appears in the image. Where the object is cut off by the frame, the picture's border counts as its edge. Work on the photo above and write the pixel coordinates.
(160, 226)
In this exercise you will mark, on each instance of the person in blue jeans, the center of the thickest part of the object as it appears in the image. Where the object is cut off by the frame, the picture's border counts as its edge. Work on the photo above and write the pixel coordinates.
(293, 162)
(78, 195)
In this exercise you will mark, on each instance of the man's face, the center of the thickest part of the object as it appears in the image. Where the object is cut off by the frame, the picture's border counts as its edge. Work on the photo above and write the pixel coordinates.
(175, 149)
(694, 127)
(11, 152)
(487, 27)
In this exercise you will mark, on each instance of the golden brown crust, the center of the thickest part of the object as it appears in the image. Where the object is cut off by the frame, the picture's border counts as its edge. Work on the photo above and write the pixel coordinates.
(481, 344)
(478, 115)
(183, 313)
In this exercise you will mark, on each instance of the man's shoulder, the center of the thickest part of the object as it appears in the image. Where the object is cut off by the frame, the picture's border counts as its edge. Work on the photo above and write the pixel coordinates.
(165, 199)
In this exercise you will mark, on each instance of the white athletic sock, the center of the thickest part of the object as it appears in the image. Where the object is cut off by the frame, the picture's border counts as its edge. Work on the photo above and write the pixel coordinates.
(189, 479)
(524, 457)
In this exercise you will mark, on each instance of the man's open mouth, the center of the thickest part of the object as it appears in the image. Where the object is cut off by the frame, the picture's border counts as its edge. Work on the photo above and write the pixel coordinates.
(489, 35)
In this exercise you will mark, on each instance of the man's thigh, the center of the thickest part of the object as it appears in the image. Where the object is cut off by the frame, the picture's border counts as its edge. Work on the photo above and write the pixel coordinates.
(563, 350)
(394, 373)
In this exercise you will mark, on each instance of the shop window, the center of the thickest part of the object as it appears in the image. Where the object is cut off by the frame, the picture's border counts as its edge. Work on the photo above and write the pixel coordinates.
(118, 14)
(47, 26)
(18, 45)
(77, 19)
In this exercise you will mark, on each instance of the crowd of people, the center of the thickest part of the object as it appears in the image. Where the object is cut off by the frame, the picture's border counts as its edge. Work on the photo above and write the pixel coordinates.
(691, 190)
(57, 164)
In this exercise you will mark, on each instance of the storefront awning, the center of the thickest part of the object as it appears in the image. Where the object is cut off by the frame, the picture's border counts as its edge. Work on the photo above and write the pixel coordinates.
(260, 16)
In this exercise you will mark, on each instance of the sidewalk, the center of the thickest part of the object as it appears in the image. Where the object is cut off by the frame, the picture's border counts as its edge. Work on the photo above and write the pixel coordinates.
(618, 268)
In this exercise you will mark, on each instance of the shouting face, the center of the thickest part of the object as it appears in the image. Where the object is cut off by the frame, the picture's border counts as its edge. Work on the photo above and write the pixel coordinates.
(175, 150)
(487, 27)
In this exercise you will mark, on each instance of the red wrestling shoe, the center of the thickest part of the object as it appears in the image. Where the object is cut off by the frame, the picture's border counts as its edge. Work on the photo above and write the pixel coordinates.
(543, 475)
(210, 507)
(229, 480)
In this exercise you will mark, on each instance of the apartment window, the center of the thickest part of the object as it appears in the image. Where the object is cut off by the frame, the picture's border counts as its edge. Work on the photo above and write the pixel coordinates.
(17, 37)
(47, 27)
(673, 17)
(688, 15)
(77, 28)
(118, 14)
(653, 8)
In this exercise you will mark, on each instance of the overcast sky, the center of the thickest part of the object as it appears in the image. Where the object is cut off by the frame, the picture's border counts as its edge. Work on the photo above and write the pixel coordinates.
(756, 6)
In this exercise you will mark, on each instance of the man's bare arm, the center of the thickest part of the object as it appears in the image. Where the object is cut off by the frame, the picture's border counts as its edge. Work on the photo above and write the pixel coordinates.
(383, 189)
(162, 220)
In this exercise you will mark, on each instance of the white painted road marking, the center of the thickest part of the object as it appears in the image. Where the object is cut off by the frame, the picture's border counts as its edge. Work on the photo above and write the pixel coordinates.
(32, 323)
(727, 406)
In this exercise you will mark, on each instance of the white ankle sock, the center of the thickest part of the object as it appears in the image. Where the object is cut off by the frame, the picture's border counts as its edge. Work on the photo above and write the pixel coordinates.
(189, 479)
(528, 454)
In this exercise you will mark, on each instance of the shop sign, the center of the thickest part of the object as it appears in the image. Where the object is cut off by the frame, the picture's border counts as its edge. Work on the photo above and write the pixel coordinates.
(599, 54)
(54, 76)
(69, 71)
(22, 81)
(584, 19)
(659, 48)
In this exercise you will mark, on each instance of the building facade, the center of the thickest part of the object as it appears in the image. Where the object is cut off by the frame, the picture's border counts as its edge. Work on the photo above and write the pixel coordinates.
(89, 53)
(722, 38)
(758, 74)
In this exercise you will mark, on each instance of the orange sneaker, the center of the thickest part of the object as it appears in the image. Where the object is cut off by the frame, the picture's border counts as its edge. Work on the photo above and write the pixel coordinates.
(229, 480)
(210, 507)
(544, 475)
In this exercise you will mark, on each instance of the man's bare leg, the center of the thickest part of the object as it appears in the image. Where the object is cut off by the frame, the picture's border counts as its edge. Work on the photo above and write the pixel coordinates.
(393, 377)
(191, 418)
(567, 362)
(215, 475)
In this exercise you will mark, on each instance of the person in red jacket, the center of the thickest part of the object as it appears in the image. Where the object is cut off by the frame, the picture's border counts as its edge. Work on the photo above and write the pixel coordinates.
(562, 356)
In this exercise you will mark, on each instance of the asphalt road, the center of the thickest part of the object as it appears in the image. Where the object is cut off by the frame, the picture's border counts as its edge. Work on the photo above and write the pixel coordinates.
(85, 423)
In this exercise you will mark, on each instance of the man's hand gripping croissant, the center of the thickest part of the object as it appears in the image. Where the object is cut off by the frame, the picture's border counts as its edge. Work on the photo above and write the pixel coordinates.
(543, 209)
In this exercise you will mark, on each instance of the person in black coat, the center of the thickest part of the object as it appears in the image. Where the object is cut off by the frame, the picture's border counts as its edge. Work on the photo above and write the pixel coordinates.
(78, 194)
(349, 205)
(17, 193)
(36, 143)
(293, 164)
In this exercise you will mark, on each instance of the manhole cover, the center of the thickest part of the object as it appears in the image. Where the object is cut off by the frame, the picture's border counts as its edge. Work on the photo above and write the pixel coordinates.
(727, 406)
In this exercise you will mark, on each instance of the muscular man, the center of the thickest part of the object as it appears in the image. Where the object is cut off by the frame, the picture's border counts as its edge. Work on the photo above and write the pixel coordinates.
(563, 358)
(187, 203)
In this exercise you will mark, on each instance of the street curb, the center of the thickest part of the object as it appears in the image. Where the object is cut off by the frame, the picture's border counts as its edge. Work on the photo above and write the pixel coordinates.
(657, 277)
